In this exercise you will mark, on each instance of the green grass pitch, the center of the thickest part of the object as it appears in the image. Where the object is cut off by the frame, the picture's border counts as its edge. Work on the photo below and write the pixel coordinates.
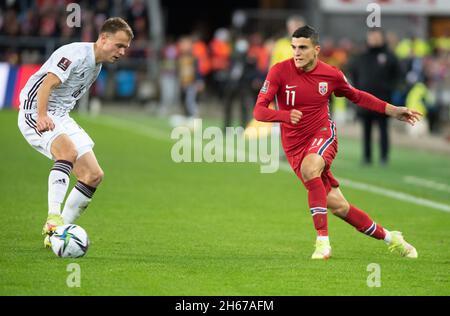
(161, 228)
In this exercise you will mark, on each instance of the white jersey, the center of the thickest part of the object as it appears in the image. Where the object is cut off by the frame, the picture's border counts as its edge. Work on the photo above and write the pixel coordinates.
(74, 64)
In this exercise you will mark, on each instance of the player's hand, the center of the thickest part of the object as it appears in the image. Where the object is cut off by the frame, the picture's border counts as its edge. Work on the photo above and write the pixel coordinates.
(295, 116)
(404, 114)
(44, 123)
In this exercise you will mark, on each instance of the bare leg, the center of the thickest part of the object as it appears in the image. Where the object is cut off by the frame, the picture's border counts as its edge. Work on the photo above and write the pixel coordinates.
(89, 175)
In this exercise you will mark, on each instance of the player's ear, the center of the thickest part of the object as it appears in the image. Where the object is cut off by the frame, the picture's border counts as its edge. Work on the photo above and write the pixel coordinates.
(103, 37)
(317, 49)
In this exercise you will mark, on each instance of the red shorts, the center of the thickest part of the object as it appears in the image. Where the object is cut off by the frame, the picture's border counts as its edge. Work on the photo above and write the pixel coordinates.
(325, 144)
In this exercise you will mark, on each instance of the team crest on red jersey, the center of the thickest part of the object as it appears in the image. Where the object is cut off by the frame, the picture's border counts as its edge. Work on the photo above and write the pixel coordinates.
(323, 88)
(265, 86)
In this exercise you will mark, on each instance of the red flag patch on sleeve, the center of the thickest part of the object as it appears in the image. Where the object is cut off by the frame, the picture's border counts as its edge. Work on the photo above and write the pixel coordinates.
(64, 63)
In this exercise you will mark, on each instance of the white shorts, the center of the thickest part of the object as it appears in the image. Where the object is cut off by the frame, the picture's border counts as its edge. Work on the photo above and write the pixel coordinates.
(42, 142)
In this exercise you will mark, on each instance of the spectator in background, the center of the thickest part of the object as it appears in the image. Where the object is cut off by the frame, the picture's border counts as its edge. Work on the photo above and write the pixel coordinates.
(239, 84)
(29, 23)
(191, 82)
(220, 50)
(103, 7)
(136, 12)
(420, 99)
(200, 51)
(437, 75)
(11, 26)
(48, 25)
(168, 80)
(1, 20)
(412, 47)
(67, 33)
(140, 49)
(260, 52)
(137, 9)
(282, 49)
(376, 71)
(336, 55)
(87, 31)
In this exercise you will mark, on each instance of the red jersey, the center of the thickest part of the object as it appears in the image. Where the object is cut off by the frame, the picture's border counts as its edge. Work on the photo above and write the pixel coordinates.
(308, 92)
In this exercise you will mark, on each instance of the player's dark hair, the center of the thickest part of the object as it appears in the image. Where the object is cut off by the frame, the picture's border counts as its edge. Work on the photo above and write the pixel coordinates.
(114, 25)
(307, 32)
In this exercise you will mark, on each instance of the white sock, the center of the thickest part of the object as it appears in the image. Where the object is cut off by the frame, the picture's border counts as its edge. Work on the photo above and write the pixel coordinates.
(58, 183)
(324, 238)
(77, 202)
(388, 237)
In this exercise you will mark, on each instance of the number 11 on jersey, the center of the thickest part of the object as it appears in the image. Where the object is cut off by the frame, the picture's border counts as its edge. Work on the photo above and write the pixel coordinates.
(290, 97)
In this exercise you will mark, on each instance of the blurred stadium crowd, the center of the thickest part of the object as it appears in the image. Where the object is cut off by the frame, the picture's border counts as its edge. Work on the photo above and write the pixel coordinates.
(228, 68)
(48, 19)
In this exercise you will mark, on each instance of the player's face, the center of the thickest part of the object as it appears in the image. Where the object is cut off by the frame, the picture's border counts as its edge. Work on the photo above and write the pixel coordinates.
(115, 46)
(375, 39)
(305, 52)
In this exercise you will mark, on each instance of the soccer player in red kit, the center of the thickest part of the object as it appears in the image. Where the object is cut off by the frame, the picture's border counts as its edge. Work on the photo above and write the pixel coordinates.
(302, 87)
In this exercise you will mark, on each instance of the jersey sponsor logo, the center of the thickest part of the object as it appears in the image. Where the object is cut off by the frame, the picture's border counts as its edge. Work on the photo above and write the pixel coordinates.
(290, 87)
(323, 88)
(265, 86)
(64, 63)
(76, 93)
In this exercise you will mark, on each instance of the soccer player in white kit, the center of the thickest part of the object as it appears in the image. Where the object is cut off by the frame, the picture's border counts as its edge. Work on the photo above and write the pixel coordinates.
(45, 102)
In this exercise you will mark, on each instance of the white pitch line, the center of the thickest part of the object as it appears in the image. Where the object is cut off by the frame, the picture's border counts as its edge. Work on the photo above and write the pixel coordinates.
(397, 195)
(430, 184)
(385, 192)
(144, 130)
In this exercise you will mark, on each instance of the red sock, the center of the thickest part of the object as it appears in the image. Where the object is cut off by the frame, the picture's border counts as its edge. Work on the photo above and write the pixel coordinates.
(317, 200)
(362, 222)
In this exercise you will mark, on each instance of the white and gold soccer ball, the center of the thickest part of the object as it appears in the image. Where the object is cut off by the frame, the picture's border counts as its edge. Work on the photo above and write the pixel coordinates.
(69, 241)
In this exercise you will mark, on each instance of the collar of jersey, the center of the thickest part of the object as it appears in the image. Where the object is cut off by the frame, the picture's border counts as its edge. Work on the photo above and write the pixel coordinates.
(300, 71)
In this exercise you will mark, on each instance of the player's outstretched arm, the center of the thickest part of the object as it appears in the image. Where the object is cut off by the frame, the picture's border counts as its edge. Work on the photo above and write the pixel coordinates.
(403, 114)
(370, 102)
(44, 122)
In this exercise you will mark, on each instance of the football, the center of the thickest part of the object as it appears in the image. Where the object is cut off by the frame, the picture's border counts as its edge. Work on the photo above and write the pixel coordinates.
(70, 241)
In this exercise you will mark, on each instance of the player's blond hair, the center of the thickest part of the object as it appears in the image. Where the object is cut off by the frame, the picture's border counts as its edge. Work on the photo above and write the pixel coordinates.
(114, 25)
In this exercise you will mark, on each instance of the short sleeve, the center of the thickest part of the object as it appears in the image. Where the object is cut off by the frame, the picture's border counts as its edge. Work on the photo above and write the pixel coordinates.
(62, 64)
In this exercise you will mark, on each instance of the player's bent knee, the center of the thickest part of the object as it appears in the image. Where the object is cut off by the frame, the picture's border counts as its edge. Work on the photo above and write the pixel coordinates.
(100, 175)
(96, 177)
(310, 172)
(341, 209)
(73, 154)
(312, 167)
(68, 155)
